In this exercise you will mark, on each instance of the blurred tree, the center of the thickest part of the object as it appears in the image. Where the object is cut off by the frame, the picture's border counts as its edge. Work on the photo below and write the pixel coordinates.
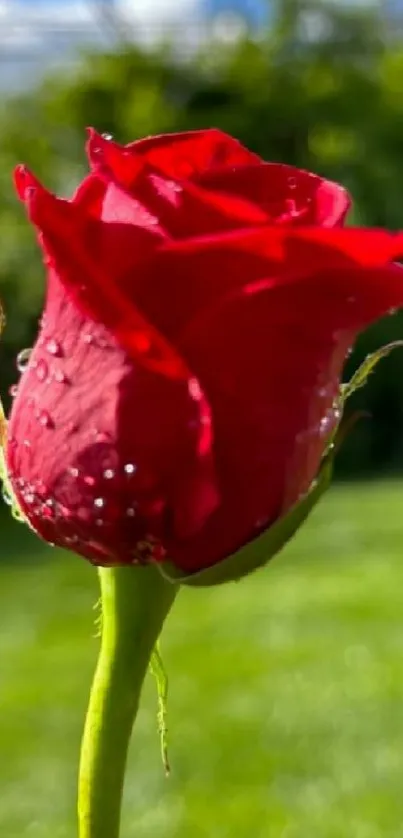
(320, 90)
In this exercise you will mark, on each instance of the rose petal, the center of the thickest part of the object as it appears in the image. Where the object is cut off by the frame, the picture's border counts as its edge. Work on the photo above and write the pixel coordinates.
(183, 155)
(287, 195)
(205, 270)
(182, 208)
(105, 451)
(93, 260)
(271, 374)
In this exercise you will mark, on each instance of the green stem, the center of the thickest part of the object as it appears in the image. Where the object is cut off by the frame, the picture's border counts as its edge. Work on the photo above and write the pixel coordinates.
(135, 603)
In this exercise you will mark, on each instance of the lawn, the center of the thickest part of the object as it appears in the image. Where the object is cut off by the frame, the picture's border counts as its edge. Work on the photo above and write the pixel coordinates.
(286, 690)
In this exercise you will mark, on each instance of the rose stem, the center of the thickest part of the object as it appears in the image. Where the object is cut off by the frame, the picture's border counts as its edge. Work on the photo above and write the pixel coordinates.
(135, 603)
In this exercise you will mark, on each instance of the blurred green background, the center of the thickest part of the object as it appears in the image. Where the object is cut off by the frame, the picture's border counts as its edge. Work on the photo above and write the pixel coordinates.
(286, 701)
(286, 690)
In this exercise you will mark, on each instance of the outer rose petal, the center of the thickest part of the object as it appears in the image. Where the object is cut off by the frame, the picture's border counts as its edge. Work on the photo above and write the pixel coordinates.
(103, 453)
(189, 153)
(103, 402)
(286, 194)
(97, 258)
(270, 359)
(271, 374)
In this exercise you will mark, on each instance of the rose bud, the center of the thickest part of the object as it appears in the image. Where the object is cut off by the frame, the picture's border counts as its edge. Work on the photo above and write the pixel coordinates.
(179, 407)
(200, 304)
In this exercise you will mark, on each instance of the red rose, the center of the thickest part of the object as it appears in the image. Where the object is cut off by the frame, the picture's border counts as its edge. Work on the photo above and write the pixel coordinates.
(182, 389)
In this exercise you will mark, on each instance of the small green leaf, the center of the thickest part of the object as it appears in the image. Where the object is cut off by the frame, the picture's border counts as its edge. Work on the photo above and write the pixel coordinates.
(158, 670)
(361, 375)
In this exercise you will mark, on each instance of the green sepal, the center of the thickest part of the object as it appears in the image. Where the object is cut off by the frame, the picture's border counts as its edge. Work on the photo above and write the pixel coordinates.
(359, 379)
(7, 492)
(158, 671)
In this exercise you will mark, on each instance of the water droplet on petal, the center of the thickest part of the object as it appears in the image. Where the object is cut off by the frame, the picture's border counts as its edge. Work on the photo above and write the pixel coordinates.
(74, 471)
(99, 522)
(53, 347)
(23, 359)
(44, 418)
(129, 468)
(88, 338)
(99, 503)
(107, 136)
(41, 370)
(109, 474)
(194, 389)
(13, 390)
(392, 311)
(130, 512)
(27, 443)
(61, 377)
(89, 480)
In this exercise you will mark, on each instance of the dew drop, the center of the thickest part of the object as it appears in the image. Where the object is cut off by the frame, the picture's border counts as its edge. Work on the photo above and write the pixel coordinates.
(23, 359)
(29, 497)
(194, 389)
(99, 522)
(392, 311)
(13, 390)
(324, 425)
(89, 480)
(61, 377)
(99, 503)
(41, 370)
(129, 468)
(107, 136)
(88, 338)
(74, 471)
(27, 443)
(53, 347)
(130, 512)
(44, 419)
(101, 436)
(109, 474)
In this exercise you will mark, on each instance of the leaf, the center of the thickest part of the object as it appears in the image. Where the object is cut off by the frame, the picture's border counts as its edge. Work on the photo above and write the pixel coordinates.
(359, 379)
(158, 670)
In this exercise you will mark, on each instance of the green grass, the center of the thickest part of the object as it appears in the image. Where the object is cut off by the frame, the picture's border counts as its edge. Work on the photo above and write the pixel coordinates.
(286, 690)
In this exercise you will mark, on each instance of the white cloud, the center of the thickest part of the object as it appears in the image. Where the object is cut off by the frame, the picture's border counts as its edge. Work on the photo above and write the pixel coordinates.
(159, 12)
(38, 35)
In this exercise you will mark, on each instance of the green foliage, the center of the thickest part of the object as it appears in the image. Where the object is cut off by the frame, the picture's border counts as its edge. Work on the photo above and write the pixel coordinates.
(332, 105)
